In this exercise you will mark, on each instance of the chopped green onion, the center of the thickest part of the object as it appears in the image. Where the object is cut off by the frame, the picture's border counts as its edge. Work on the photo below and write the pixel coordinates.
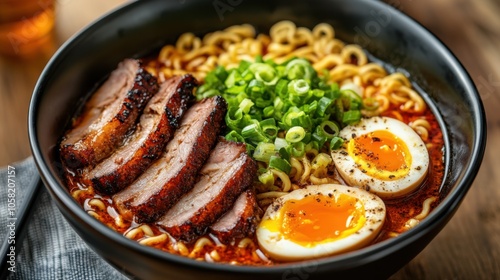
(295, 134)
(267, 178)
(336, 143)
(299, 68)
(328, 129)
(264, 151)
(269, 127)
(234, 136)
(280, 143)
(282, 110)
(299, 87)
(323, 105)
(282, 88)
(284, 154)
(253, 133)
(234, 117)
(322, 160)
(264, 73)
(351, 117)
(245, 105)
(298, 149)
(280, 164)
(268, 111)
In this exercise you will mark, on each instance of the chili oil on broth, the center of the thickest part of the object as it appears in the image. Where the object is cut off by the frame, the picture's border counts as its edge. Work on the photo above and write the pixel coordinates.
(347, 65)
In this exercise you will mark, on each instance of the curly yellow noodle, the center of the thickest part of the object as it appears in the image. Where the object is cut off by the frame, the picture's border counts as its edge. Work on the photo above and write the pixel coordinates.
(397, 115)
(94, 214)
(153, 239)
(422, 131)
(95, 202)
(166, 52)
(323, 31)
(328, 62)
(383, 104)
(287, 184)
(244, 30)
(245, 242)
(297, 168)
(218, 38)
(370, 91)
(215, 255)
(76, 194)
(302, 52)
(318, 181)
(145, 229)
(282, 31)
(312, 153)
(343, 71)
(356, 51)
(398, 98)
(193, 64)
(278, 49)
(357, 80)
(371, 72)
(325, 46)
(303, 36)
(408, 105)
(421, 122)
(176, 62)
(181, 248)
(271, 195)
(411, 223)
(426, 208)
(422, 127)
(209, 64)
(388, 86)
(199, 245)
(205, 50)
(419, 103)
(187, 42)
(397, 77)
(307, 170)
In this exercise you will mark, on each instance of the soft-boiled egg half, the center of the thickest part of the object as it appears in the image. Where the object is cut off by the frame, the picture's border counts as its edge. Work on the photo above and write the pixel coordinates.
(320, 220)
(382, 155)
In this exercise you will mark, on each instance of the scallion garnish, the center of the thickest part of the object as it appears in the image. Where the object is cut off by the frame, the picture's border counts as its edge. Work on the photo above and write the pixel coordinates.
(281, 110)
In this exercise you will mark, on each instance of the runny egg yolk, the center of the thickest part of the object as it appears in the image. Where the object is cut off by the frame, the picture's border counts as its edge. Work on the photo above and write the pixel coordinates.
(320, 218)
(381, 154)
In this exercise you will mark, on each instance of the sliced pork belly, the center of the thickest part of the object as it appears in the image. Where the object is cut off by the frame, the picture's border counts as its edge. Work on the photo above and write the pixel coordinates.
(108, 116)
(228, 172)
(240, 221)
(174, 173)
(156, 127)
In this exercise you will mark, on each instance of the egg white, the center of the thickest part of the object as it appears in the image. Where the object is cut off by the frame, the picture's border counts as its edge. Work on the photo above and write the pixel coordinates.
(280, 248)
(354, 176)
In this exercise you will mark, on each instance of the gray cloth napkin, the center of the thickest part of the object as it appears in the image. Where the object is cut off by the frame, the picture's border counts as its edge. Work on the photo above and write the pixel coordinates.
(50, 249)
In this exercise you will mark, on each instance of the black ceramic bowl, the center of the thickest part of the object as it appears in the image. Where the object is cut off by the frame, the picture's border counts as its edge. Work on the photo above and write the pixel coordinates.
(143, 26)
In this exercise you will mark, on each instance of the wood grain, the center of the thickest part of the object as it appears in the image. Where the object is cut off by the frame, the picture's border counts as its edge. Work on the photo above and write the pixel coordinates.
(468, 247)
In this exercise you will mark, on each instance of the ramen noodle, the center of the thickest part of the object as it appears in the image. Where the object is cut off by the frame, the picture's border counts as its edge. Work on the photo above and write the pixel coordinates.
(382, 93)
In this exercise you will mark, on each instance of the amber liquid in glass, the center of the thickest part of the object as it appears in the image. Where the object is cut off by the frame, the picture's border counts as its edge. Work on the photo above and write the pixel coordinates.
(24, 25)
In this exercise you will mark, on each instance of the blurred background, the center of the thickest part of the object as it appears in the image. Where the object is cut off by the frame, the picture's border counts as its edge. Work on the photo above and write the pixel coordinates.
(469, 246)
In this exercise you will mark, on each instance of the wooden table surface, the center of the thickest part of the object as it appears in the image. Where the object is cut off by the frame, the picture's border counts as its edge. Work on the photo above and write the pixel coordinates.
(467, 248)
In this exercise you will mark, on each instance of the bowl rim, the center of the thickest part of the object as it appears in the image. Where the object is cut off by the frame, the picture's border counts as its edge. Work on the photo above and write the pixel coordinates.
(444, 210)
